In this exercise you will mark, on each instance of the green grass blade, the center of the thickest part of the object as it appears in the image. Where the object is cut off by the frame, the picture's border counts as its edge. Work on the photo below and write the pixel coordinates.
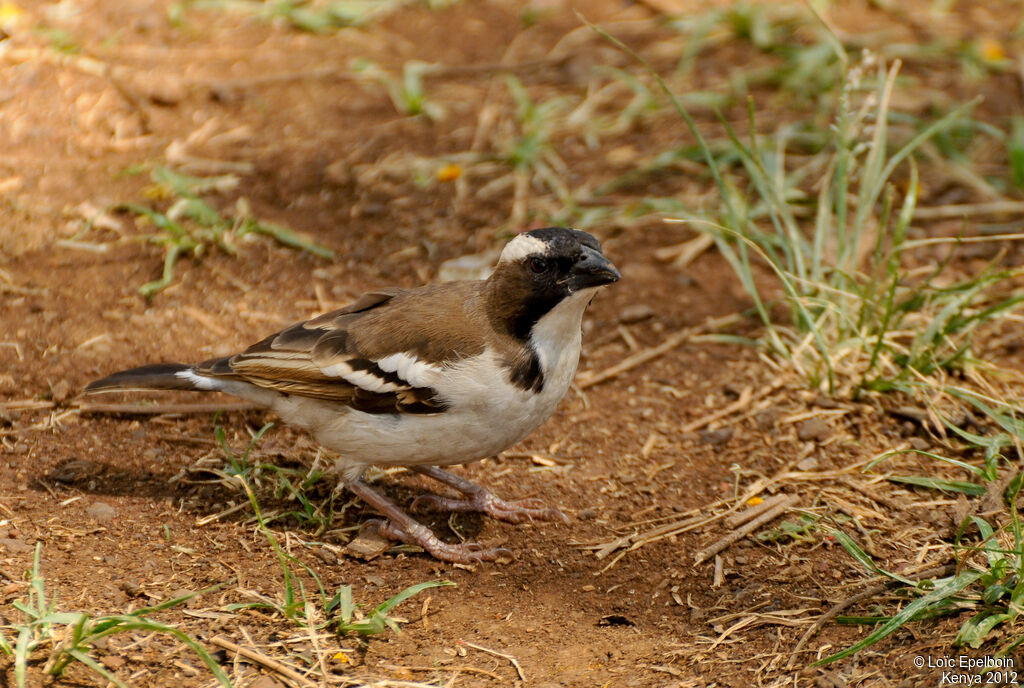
(1010, 648)
(976, 630)
(941, 592)
(128, 622)
(980, 472)
(159, 220)
(173, 252)
(287, 237)
(925, 134)
(63, 618)
(970, 489)
(22, 648)
(1015, 150)
(390, 604)
(95, 666)
(851, 546)
(174, 602)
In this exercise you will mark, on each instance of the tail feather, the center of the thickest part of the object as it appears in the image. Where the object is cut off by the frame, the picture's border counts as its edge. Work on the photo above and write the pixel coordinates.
(156, 376)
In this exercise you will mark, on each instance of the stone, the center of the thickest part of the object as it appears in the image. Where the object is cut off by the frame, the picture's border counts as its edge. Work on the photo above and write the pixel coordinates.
(812, 429)
(15, 546)
(266, 682)
(101, 512)
(808, 464)
(717, 437)
(635, 313)
(112, 662)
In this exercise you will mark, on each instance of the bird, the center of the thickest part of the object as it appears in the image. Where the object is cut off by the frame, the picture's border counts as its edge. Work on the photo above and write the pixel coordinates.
(422, 378)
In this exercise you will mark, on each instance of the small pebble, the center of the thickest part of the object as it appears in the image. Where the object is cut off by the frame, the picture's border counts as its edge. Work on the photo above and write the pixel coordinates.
(808, 464)
(112, 662)
(101, 512)
(472, 267)
(587, 514)
(717, 437)
(179, 593)
(131, 588)
(766, 419)
(635, 312)
(159, 88)
(821, 401)
(266, 682)
(15, 546)
(812, 429)
(326, 556)
(61, 391)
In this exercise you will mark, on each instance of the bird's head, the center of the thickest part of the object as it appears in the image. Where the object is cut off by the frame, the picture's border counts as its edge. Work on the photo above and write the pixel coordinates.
(541, 268)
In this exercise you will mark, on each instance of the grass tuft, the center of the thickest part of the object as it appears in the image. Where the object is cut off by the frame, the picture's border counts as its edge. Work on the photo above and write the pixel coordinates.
(821, 241)
(304, 15)
(63, 638)
(189, 224)
(319, 610)
(407, 92)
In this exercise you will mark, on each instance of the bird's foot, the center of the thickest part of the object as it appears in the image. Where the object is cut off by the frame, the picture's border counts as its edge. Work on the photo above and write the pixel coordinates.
(479, 499)
(465, 553)
(484, 502)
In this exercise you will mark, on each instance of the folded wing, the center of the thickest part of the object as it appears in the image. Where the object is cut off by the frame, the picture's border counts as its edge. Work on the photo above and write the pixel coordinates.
(322, 358)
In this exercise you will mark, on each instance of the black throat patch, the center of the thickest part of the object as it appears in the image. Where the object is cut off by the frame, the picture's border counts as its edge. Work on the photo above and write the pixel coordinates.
(524, 372)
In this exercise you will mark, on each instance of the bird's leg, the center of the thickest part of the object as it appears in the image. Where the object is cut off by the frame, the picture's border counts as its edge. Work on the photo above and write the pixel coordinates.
(479, 499)
(400, 526)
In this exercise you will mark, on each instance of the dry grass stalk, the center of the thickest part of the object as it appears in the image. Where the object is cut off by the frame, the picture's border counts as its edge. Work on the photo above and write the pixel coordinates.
(685, 253)
(744, 402)
(510, 658)
(872, 494)
(589, 379)
(736, 520)
(455, 670)
(26, 405)
(263, 660)
(739, 534)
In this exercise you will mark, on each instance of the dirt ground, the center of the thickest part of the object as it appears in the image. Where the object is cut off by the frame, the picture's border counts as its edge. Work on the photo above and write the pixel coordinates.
(328, 155)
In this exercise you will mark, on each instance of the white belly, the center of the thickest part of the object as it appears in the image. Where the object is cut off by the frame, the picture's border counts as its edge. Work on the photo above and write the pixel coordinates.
(482, 420)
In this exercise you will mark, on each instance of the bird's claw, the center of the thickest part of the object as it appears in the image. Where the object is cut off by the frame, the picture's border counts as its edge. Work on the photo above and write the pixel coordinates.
(465, 553)
(484, 502)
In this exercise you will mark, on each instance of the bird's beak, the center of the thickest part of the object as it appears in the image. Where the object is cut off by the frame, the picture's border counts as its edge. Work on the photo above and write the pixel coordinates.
(592, 270)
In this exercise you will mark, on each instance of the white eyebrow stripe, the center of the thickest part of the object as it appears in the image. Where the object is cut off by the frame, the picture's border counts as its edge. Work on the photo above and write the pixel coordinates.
(520, 247)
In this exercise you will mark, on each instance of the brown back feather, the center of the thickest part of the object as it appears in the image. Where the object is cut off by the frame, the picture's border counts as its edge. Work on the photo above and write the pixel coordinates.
(438, 324)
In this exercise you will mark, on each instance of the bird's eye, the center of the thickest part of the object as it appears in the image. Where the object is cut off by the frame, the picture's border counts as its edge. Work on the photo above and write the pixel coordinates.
(538, 265)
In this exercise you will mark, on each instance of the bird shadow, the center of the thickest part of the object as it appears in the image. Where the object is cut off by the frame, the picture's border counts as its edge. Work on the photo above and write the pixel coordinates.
(287, 494)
